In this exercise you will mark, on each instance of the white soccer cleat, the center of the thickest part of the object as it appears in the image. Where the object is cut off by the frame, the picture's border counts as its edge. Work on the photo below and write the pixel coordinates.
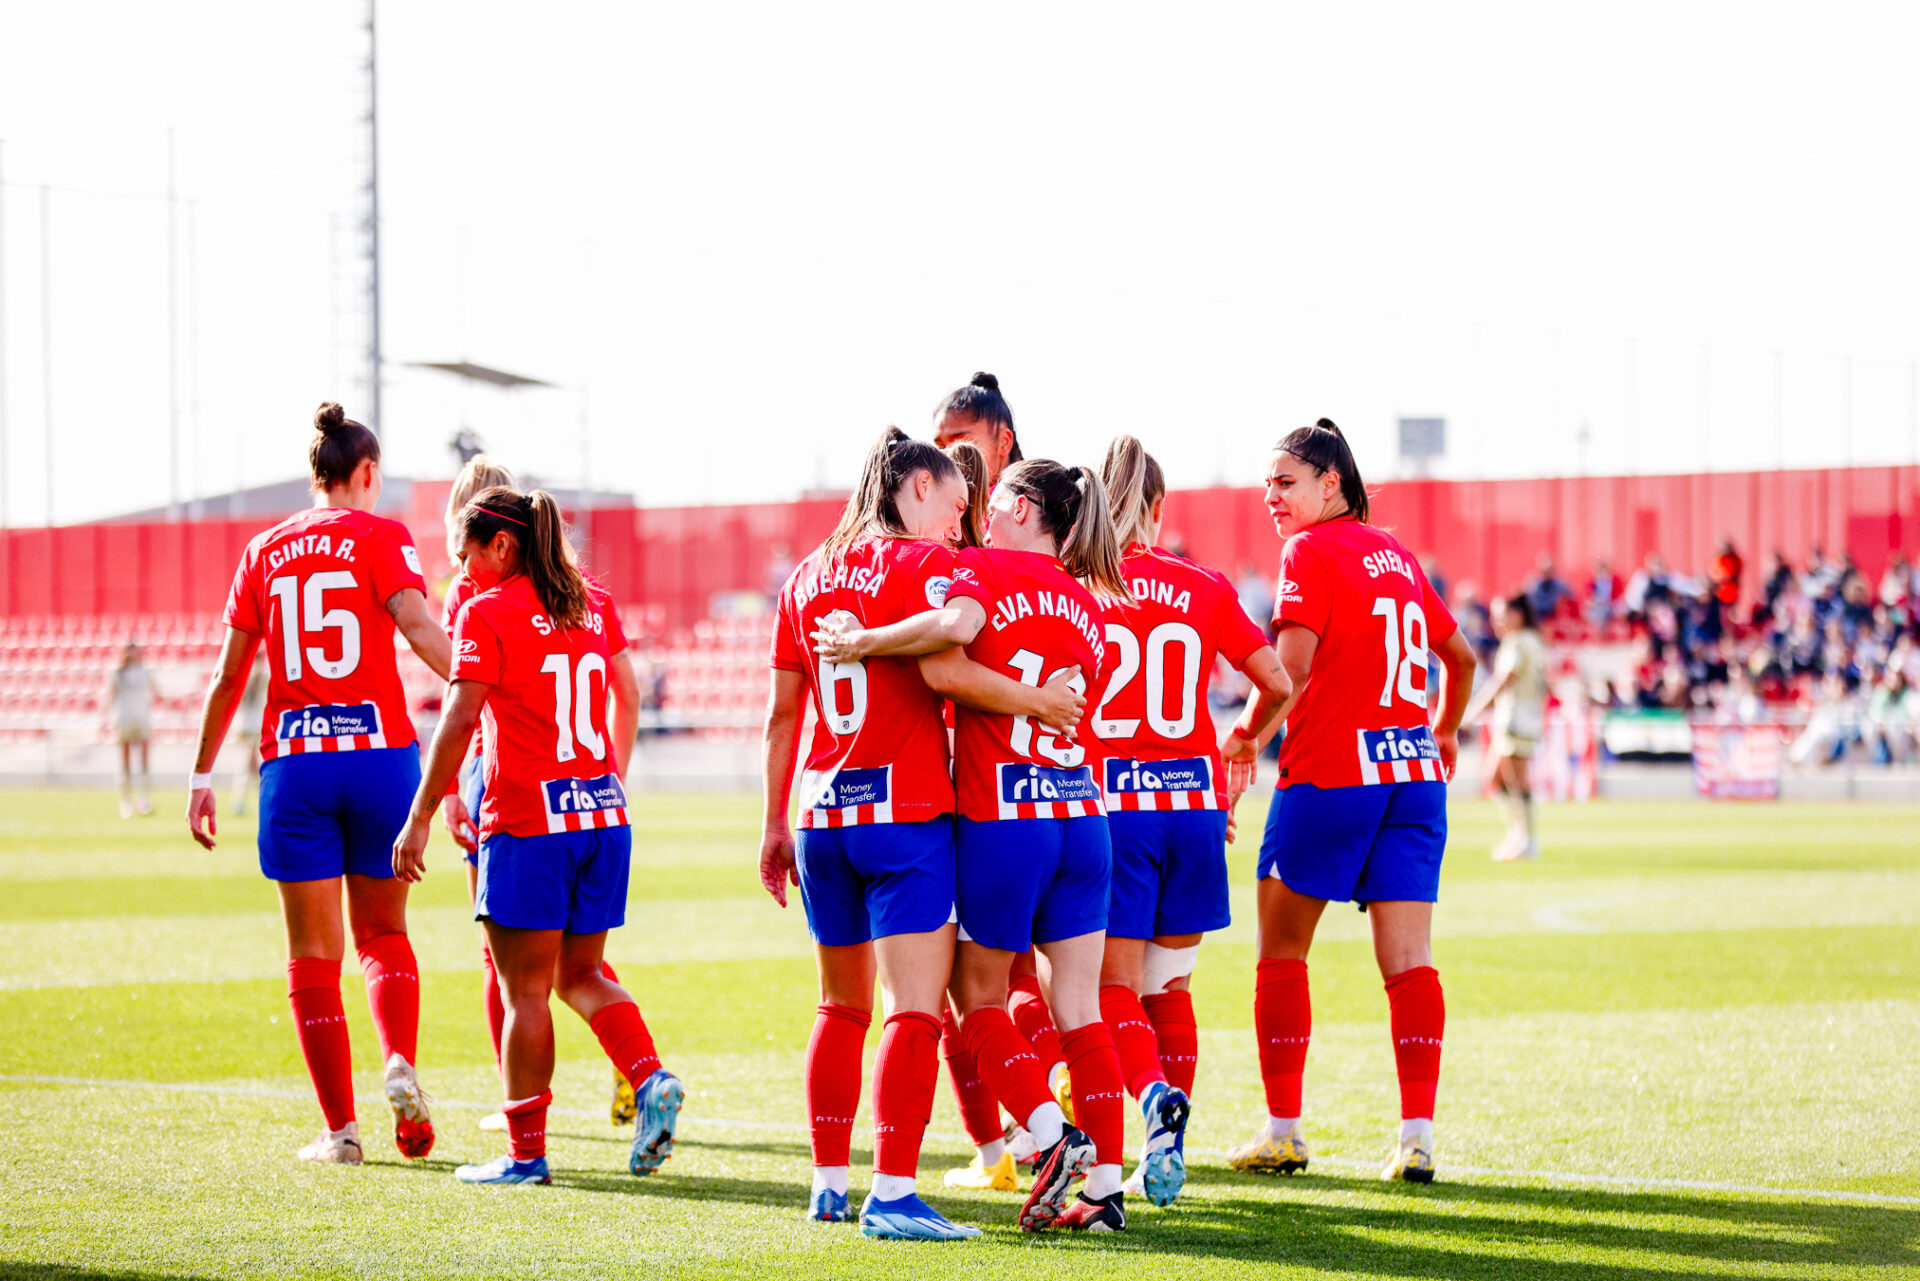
(412, 1126)
(335, 1147)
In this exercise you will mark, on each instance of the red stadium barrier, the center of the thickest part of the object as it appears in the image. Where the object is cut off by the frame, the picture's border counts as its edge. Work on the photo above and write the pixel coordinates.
(682, 564)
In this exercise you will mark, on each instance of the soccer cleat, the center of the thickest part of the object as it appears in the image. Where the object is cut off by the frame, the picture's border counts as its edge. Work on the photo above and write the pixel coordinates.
(1163, 1161)
(828, 1206)
(494, 1122)
(1514, 850)
(1000, 1177)
(908, 1218)
(1053, 1176)
(335, 1147)
(1020, 1144)
(1411, 1162)
(1109, 1214)
(658, 1102)
(1063, 1093)
(626, 1108)
(504, 1169)
(1264, 1154)
(412, 1127)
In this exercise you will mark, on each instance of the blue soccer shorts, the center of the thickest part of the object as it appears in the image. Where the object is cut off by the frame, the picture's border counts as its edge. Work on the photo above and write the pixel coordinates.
(1033, 880)
(1375, 843)
(874, 880)
(473, 790)
(1169, 872)
(572, 881)
(325, 814)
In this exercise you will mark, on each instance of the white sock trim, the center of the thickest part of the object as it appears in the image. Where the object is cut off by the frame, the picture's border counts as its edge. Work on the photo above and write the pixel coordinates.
(1420, 1127)
(1102, 1182)
(830, 1178)
(891, 1187)
(1281, 1126)
(1047, 1124)
(991, 1151)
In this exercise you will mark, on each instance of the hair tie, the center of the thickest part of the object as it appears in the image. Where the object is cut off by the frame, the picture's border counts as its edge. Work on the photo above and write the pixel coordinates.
(502, 515)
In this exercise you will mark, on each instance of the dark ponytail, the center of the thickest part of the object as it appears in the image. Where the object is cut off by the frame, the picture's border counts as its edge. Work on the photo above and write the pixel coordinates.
(981, 400)
(973, 466)
(339, 446)
(1323, 448)
(1073, 508)
(874, 503)
(546, 557)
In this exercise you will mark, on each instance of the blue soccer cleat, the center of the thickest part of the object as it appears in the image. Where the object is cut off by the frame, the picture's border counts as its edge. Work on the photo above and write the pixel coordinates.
(828, 1206)
(660, 1097)
(908, 1218)
(1162, 1173)
(504, 1169)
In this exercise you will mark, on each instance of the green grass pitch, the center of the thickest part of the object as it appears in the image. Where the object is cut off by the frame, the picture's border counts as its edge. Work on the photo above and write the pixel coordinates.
(1684, 1044)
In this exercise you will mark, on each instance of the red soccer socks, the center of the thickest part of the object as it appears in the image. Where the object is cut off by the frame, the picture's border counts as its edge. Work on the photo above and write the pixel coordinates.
(832, 1079)
(1419, 1020)
(1099, 1107)
(1006, 1062)
(527, 1126)
(393, 994)
(1035, 1021)
(979, 1110)
(623, 1035)
(1283, 1024)
(320, 1021)
(903, 1079)
(1134, 1042)
(1171, 1014)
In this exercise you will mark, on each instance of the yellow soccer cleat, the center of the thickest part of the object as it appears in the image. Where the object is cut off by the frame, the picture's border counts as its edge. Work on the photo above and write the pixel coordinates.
(1411, 1162)
(1264, 1154)
(1000, 1177)
(626, 1108)
(1063, 1093)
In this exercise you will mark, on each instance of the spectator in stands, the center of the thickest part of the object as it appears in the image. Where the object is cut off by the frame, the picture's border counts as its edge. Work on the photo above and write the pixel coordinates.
(1545, 591)
(1475, 624)
(1833, 727)
(1651, 583)
(1893, 713)
(129, 707)
(1255, 590)
(1775, 582)
(1601, 591)
(1435, 578)
(1723, 573)
(979, 413)
(1896, 584)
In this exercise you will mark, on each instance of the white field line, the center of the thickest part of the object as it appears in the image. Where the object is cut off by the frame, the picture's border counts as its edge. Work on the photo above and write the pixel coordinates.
(698, 1121)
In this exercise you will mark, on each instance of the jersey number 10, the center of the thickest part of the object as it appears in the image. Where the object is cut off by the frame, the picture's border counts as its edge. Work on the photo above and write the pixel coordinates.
(573, 704)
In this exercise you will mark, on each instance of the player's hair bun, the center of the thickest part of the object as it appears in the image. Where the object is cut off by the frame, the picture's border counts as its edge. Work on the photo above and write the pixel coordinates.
(329, 417)
(984, 379)
(1326, 424)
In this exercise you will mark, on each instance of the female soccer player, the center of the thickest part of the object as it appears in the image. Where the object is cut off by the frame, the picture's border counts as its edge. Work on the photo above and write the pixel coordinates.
(533, 662)
(1360, 814)
(875, 855)
(1034, 858)
(129, 704)
(1517, 692)
(1167, 803)
(325, 590)
(978, 413)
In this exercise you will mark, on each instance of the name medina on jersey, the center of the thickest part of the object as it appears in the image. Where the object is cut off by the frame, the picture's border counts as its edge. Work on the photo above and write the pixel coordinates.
(860, 578)
(310, 545)
(1152, 590)
(1011, 609)
(1388, 562)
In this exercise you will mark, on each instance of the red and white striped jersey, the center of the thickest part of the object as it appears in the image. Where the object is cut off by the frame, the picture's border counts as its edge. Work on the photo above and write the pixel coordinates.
(879, 751)
(1362, 716)
(1040, 621)
(1162, 751)
(316, 587)
(549, 761)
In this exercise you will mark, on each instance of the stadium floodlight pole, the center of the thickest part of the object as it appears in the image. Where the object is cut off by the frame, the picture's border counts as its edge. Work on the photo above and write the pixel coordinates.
(1846, 410)
(46, 333)
(3, 335)
(173, 341)
(193, 354)
(1779, 414)
(374, 353)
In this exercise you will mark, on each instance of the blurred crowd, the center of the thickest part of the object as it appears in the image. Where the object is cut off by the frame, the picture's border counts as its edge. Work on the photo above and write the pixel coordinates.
(1819, 646)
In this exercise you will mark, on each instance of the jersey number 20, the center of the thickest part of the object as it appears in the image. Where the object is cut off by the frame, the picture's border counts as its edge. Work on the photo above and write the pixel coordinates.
(1128, 665)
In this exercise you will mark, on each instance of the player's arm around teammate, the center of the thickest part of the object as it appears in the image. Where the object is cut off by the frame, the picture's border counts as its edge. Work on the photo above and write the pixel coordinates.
(325, 590)
(1167, 802)
(1360, 811)
(532, 657)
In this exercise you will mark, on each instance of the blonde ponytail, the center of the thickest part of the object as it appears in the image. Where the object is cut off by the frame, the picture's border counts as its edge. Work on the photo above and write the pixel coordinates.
(1134, 483)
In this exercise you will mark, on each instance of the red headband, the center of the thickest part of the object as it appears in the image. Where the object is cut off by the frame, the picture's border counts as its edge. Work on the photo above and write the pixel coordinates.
(502, 515)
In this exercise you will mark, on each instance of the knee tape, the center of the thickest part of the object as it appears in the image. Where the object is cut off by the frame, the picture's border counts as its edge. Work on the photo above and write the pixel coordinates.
(1164, 965)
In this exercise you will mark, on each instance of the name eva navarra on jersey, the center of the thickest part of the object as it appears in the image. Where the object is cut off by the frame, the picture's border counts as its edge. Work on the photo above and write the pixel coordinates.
(1011, 608)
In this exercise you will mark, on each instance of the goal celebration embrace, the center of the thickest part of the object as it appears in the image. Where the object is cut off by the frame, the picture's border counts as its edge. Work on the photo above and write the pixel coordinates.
(994, 791)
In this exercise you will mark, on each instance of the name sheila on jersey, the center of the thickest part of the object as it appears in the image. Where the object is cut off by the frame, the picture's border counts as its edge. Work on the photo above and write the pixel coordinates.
(1011, 609)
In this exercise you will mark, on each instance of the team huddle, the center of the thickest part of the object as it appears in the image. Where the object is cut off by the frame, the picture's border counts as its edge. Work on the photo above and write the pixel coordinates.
(1013, 809)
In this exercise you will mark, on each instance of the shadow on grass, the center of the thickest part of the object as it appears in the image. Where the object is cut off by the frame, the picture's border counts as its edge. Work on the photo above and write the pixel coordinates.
(14, 1270)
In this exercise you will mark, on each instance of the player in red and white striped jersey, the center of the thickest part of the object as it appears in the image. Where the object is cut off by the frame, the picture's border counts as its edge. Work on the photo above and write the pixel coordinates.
(875, 855)
(533, 660)
(1034, 859)
(324, 591)
(1167, 800)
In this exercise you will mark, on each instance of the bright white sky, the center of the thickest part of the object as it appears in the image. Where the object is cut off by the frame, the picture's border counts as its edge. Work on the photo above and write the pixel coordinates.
(761, 233)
